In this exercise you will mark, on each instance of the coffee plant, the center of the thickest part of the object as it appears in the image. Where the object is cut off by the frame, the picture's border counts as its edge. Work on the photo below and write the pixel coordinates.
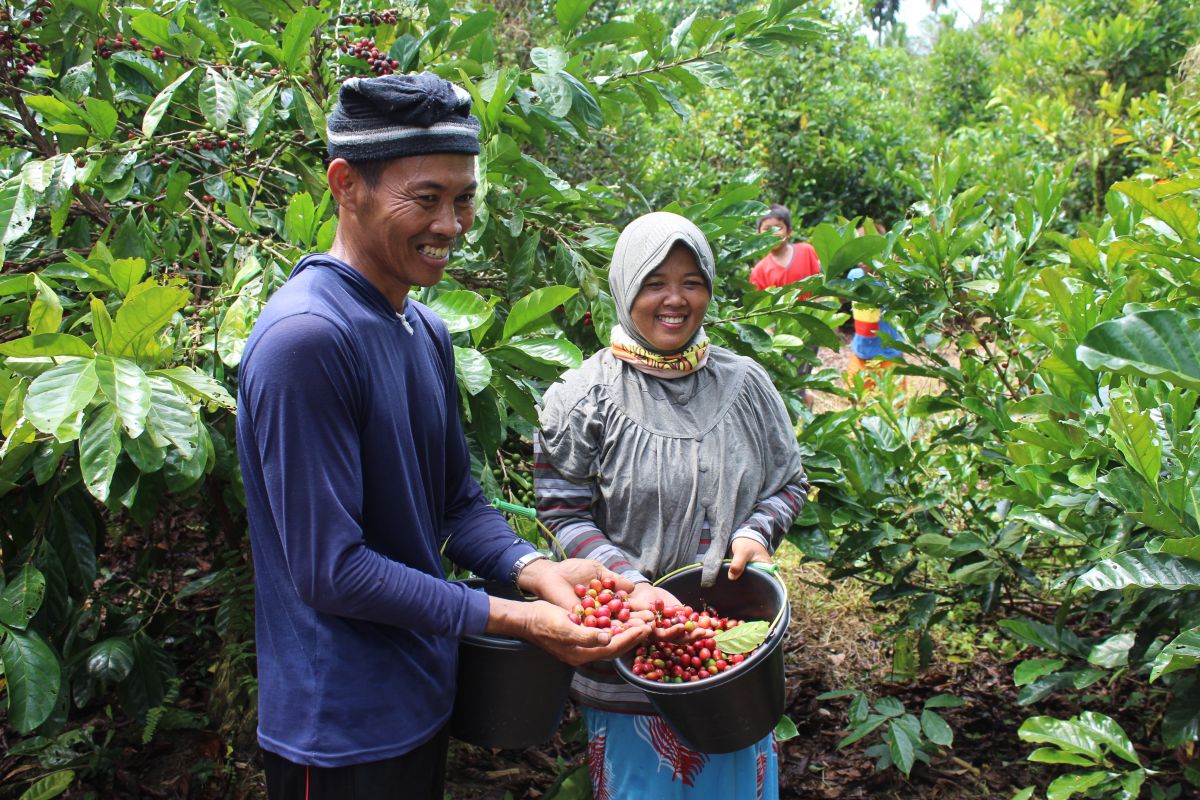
(163, 168)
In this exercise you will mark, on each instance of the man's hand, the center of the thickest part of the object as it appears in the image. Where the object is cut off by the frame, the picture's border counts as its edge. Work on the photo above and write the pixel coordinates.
(744, 551)
(555, 581)
(548, 627)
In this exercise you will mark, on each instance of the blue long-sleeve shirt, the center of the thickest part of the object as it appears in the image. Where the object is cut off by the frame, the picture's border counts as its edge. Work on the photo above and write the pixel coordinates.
(356, 472)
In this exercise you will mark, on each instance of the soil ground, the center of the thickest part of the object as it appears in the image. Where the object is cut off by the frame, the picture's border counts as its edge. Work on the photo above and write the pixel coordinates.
(831, 645)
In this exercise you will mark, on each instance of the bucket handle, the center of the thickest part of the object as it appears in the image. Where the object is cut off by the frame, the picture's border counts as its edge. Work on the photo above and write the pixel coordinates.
(770, 569)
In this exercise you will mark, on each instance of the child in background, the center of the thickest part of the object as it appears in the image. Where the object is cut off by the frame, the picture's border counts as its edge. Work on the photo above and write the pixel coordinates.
(789, 261)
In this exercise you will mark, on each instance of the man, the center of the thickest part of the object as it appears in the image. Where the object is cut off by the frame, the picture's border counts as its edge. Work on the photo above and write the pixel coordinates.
(789, 261)
(357, 473)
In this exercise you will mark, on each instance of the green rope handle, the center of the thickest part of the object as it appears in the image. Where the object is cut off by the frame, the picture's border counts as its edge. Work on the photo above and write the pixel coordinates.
(529, 513)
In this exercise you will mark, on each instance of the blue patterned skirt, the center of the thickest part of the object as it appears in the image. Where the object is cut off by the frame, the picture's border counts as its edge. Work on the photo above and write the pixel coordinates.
(638, 755)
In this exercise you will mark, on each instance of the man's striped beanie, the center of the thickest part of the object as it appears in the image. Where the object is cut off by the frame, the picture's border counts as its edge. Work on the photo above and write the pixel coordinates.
(401, 115)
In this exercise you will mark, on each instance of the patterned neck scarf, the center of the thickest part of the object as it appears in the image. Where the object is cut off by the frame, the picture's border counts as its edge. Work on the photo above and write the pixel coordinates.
(676, 365)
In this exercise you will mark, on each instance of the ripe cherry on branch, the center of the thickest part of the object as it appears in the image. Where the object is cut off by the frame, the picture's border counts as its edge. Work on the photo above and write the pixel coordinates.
(365, 48)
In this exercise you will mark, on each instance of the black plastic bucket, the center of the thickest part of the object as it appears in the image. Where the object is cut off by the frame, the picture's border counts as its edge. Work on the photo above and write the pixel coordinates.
(734, 709)
(510, 693)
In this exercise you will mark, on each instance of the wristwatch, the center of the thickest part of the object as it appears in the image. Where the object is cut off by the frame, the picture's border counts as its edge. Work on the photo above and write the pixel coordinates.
(523, 562)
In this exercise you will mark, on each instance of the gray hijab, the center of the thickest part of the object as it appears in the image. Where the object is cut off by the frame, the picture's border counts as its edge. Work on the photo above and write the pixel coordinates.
(642, 246)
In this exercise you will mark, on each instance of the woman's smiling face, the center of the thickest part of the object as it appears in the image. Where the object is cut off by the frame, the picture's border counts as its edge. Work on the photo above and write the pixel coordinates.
(670, 306)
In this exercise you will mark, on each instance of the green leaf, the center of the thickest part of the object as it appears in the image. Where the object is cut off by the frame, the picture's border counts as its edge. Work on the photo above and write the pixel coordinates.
(22, 598)
(852, 253)
(145, 454)
(1140, 568)
(1029, 671)
(615, 31)
(945, 701)
(744, 637)
(101, 325)
(517, 395)
(218, 100)
(143, 314)
(1047, 637)
(712, 74)
(571, 12)
(171, 418)
(1161, 343)
(1182, 652)
(99, 450)
(1065, 734)
(33, 675)
(889, 707)
(1136, 436)
(470, 27)
(296, 35)
(1024, 794)
(1052, 755)
(126, 273)
(100, 116)
(554, 92)
(235, 328)
(199, 385)
(128, 389)
(49, 787)
(936, 729)
(1113, 652)
(558, 352)
(46, 313)
(110, 660)
(58, 395)
(865, 729)
(158, 107)
(1181, 722)
(47, 344)
(300, 221)
(461, 310)
(785, 729)
(900, 747)
(1188, 547)
(472, 368)
(311, 115)
(530, 311)
(1064, 787)
(549, 60)
(18, 204)
(151, 26)
(1106, 730)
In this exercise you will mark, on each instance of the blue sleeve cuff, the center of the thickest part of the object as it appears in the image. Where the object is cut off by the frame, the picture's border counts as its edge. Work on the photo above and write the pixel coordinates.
(509, 557)
(477, 612)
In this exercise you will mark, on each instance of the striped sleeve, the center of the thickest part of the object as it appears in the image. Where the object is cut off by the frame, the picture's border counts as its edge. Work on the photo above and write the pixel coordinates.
(772, 517)
(566, 509)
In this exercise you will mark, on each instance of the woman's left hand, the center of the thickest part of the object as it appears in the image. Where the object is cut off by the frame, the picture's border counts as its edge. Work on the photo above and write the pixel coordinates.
(744, 551)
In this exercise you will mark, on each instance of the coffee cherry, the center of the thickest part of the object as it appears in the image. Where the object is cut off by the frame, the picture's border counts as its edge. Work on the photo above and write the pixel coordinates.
(689, 660)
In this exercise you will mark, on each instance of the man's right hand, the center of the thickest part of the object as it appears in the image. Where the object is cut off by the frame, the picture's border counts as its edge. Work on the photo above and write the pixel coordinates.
(547, 626)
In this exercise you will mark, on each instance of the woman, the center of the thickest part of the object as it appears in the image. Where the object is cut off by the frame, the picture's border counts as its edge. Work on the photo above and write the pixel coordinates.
(658, 452)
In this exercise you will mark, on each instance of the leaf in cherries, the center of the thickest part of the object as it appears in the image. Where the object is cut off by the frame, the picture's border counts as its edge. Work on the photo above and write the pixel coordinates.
(744, 637)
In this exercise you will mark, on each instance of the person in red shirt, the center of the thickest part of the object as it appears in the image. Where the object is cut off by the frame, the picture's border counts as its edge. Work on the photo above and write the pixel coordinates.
(787, 263)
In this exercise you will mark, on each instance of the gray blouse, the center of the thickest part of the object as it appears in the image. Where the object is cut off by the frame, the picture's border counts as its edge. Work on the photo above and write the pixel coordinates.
(663, 456)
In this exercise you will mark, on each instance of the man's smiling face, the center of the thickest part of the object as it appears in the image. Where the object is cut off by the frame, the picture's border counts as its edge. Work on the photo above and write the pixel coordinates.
(413, 217)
